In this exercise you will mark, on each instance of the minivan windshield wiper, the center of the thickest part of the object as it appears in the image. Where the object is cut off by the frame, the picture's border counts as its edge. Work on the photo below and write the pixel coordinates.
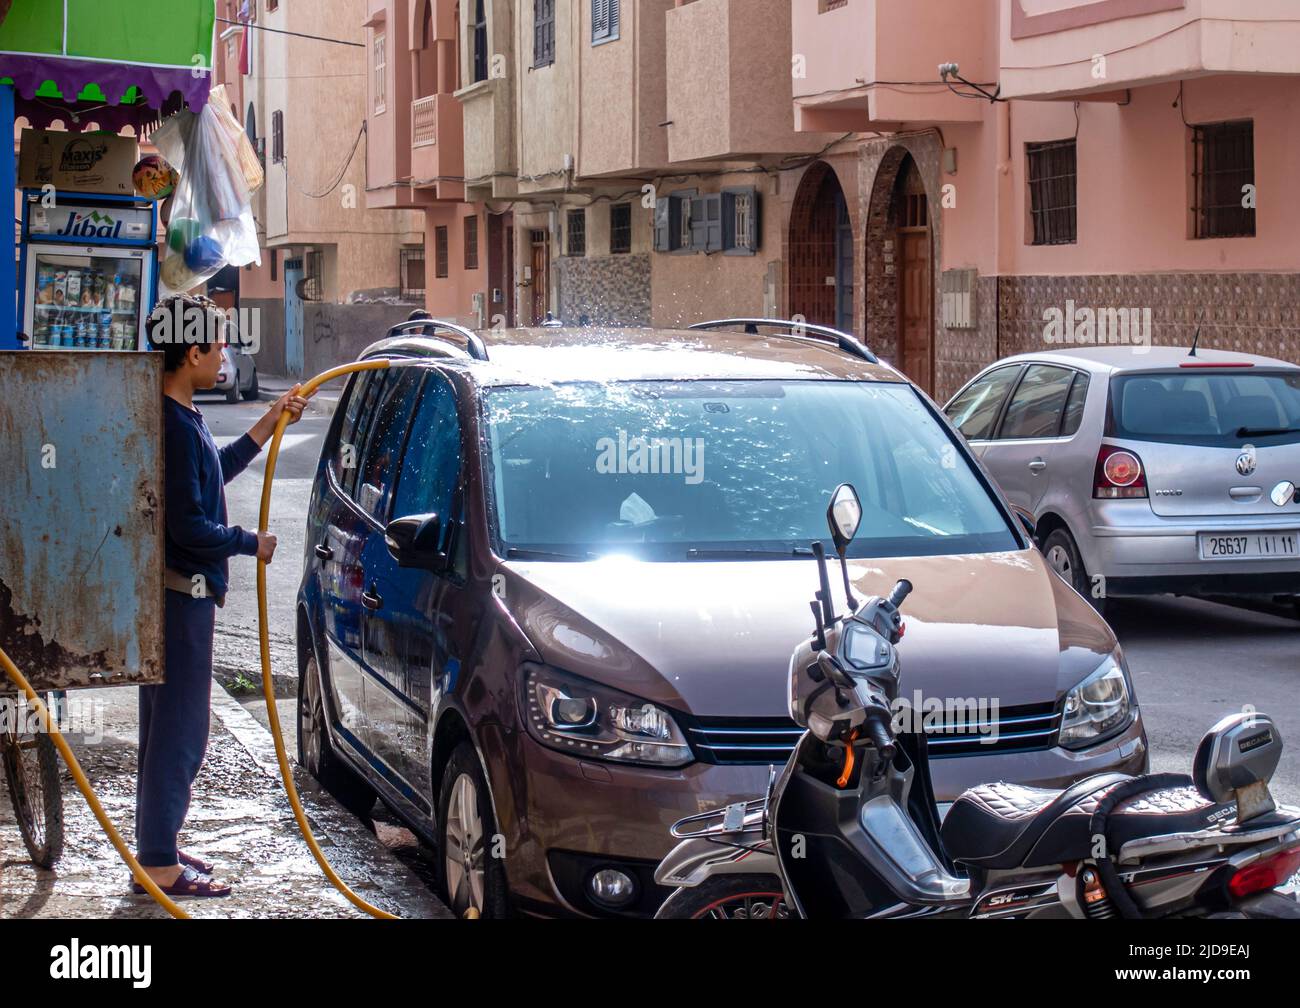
(742, 553)
(1265, 431)
(518, 553)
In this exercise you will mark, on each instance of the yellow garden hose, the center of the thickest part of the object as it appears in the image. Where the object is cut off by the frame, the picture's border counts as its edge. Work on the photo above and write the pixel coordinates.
(268, 690)
(84, 787)
(286, 771)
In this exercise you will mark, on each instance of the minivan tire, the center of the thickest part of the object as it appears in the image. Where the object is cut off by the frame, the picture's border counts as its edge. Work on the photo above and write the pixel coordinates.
(1062, 556)
(250, 393)
(232, 393)
(464, 798)
(317, 756)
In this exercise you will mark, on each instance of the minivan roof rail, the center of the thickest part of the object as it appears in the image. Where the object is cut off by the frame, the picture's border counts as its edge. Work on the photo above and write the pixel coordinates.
(752, 326)
(474, 344)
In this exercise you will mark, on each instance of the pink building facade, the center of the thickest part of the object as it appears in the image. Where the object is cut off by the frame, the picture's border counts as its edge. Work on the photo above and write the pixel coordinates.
(1137, 157)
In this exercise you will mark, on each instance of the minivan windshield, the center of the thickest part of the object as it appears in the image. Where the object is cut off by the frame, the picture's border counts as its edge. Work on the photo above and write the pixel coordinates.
(1209, 408)
(727, 469)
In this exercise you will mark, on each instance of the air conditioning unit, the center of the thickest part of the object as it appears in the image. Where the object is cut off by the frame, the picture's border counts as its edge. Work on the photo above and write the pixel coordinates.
(478, 305)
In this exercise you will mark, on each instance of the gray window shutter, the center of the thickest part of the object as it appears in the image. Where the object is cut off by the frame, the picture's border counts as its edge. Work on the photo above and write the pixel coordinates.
(700, 223)
(740, 220)
(663, 221)
(599, 20)
(612, 18)
(713, 206)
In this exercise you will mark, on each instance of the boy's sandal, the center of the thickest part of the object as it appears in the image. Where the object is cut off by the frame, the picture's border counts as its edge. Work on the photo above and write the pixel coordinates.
(189, 883)
(198, 864)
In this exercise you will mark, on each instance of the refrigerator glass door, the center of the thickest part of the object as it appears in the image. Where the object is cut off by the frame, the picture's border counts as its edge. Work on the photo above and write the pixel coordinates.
(85, 298)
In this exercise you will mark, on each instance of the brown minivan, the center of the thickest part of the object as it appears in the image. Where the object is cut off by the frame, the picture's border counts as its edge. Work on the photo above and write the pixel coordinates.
(553, 578)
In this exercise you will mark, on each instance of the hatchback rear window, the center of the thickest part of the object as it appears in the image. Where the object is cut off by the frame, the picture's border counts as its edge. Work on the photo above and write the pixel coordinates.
(1215, 409)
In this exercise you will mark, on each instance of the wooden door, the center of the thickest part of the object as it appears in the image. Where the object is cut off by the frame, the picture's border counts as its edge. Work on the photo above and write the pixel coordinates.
(538, 289)
(915, 283)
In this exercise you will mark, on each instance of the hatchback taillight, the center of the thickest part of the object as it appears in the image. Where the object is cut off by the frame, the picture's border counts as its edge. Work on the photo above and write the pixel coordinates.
(1264, 875)
(1118, 474)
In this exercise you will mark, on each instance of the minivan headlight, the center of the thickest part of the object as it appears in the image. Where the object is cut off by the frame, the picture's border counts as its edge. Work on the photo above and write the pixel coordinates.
(587, 719)
(1098, 707)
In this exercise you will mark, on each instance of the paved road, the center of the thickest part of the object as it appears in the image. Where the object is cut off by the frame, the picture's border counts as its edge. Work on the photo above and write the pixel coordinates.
(1192, 661)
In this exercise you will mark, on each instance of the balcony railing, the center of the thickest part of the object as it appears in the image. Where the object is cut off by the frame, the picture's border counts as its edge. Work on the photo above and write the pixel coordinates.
(424, 121)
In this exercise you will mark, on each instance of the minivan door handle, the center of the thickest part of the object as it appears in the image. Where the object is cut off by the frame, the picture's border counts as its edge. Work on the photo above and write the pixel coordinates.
(371, 599)
(1037, 465)
(324, 552)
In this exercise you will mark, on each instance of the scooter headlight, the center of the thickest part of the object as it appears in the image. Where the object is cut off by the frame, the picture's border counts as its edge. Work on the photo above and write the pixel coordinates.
(1098, 707)
(587, 719)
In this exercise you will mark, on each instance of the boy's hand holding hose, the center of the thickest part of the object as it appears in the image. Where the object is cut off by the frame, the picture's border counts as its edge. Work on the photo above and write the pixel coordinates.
(292, 404)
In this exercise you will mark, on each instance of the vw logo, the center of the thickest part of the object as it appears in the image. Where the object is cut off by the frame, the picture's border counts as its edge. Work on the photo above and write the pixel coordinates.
(1246, 463)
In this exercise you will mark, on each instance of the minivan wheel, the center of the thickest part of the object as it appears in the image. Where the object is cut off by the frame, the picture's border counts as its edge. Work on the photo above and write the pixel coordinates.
(471, 880)
(250, 393)
(317, 756)
(1062, 556)
(232, 393)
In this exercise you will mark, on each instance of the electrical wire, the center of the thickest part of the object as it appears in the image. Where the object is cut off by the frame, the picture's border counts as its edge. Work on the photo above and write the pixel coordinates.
(339, 175)
(283, 31)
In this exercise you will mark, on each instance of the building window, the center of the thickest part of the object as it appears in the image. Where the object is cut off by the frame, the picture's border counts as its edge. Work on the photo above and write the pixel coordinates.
(620, 228)
(1223, 180)
(604, 21)
(576, 233)
(277, 136)
(272, 5)
(471, 243)
(380, 49)
(479, 34)
(440, 256)
(543, 32)
(829, 5)
(412, 272)
(310, 287)
(1053, 184)
(740, 221)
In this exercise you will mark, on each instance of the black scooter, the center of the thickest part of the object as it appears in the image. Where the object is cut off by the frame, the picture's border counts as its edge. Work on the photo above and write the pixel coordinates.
(850, 829)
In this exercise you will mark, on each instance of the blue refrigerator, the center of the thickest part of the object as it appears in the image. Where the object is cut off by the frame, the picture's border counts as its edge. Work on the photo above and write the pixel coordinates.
(88, 271)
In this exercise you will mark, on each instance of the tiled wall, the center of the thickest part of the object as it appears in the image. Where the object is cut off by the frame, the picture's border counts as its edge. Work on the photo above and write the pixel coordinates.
(608, 290)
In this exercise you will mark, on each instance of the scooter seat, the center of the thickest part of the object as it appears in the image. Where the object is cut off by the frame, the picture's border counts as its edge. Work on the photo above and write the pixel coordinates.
(1005, 825)
(997, 825)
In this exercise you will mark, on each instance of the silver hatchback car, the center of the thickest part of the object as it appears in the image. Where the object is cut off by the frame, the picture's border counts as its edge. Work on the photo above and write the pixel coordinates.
(1147, 473)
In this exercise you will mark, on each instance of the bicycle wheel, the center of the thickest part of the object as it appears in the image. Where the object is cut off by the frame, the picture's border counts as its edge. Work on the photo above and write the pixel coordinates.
(32, 770)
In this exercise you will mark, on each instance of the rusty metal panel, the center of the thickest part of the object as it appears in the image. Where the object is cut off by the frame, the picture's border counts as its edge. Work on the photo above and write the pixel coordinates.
(81, 527)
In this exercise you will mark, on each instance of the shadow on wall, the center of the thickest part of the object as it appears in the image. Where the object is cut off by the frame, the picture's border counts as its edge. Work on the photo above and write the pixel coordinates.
(332, 334)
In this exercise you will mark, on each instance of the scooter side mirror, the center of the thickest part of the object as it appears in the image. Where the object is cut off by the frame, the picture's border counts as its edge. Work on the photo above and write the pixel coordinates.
(844, 515)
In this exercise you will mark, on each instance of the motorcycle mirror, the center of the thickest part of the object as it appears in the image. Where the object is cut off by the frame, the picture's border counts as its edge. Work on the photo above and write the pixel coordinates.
(844, 515)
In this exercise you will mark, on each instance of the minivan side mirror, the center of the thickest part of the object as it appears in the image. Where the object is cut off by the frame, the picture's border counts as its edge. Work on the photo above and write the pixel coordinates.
(414, 539)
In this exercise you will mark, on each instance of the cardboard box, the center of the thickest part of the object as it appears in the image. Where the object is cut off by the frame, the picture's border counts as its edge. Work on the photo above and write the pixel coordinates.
(77, 162)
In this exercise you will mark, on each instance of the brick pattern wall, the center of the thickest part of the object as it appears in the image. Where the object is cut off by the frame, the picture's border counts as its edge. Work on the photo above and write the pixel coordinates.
(608, 290)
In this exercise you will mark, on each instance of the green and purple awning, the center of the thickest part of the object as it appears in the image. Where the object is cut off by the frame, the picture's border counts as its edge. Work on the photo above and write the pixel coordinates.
(121, 62)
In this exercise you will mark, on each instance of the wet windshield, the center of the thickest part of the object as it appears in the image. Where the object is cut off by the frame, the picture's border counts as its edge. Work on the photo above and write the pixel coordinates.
(675, 470)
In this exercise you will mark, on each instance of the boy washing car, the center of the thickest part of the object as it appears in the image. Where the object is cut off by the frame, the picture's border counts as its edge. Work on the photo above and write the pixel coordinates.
(174, 715)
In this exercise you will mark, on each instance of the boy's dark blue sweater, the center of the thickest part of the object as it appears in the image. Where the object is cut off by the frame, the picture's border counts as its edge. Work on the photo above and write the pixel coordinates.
(198, 539)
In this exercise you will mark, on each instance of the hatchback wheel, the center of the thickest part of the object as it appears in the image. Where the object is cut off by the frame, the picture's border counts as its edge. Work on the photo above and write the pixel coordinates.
(317, 756)
(1063, 557)
(471, 878)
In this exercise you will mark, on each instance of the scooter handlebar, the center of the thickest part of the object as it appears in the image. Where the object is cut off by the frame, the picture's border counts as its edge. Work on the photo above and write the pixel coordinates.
(900, 592)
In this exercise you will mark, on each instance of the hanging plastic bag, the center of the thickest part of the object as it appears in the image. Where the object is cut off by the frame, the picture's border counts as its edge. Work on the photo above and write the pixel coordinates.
(210, 221)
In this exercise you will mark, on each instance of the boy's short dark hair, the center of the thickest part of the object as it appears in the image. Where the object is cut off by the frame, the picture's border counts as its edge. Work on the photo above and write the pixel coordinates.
(168, 332)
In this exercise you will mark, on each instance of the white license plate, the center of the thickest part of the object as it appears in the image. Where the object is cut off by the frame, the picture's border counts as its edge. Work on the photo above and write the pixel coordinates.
(1249, 545)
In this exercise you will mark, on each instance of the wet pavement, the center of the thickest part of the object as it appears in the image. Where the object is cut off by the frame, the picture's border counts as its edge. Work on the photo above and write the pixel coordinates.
(239, 819)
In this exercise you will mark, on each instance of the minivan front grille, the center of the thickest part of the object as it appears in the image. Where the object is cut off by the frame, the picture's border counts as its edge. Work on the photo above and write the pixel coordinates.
(730, 741)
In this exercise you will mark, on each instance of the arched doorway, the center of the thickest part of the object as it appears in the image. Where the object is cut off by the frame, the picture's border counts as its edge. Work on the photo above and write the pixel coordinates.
(821, 251)
(900, 268)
